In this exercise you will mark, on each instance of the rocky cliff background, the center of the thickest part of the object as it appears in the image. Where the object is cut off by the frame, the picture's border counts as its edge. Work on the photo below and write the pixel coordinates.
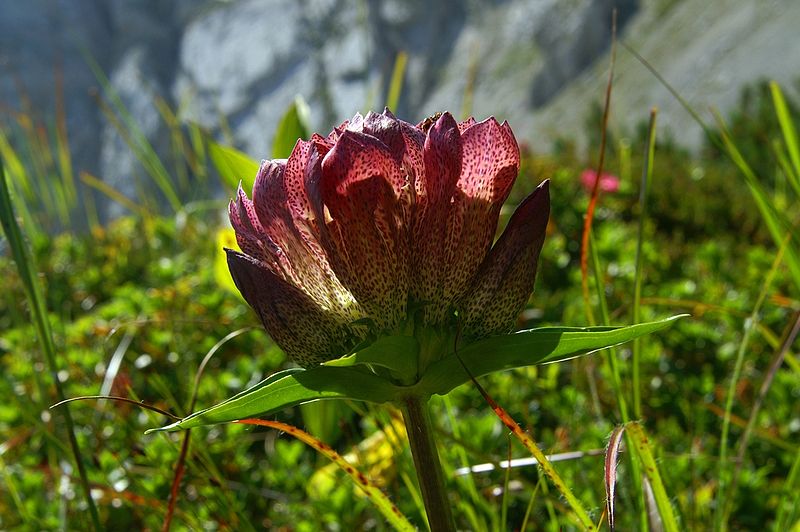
(540, 64)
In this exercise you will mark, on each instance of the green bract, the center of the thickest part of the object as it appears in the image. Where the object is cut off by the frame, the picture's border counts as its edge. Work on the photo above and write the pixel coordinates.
(354, 377)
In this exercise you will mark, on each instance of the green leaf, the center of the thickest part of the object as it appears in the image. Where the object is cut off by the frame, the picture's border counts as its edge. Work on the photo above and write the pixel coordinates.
(226, 238)
(528, 348)
(355, 381)
(397, 353)
(289, 388)
(325, 419)
(294, 125)
(232, 165)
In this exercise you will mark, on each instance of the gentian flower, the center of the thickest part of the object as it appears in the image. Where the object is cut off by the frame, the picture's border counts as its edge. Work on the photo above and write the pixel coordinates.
(369, 256)
(384, 228)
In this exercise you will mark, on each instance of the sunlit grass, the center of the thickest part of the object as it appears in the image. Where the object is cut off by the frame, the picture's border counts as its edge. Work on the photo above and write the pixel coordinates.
(693, 389)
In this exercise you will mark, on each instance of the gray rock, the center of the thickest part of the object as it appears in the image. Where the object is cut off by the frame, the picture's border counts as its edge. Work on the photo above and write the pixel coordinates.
(537, 63)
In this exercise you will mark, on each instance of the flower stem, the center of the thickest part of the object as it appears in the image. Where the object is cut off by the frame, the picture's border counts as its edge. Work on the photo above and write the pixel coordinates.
(426, 460)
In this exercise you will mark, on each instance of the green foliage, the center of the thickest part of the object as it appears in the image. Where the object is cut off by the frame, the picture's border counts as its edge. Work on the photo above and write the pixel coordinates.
(137, 304)
(294, 125)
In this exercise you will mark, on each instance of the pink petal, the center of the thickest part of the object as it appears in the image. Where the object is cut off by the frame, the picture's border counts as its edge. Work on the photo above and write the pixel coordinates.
(506, 277)
(442, 160)
(284, 212)
(466, 124)
(459, 219)
(403, 140)
(307, 333)
(489, 167)
(249, 234)
(490, 161)
(364, 231)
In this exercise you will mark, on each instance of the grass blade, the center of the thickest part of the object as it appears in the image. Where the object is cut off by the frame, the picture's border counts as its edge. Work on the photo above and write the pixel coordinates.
(396, 83)
(373, 492)
(650, 468)
(133, 135)
(788, 130)
(647, 175)
(26, 268)
(725, 498)
(612, 453)
(787, 509)
(117, 196)
(180, 464)
(587, 222)
(573, 502)
(62, 141)
(777, 223)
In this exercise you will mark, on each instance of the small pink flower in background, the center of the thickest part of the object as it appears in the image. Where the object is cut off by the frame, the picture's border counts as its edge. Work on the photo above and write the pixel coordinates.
(608, 182)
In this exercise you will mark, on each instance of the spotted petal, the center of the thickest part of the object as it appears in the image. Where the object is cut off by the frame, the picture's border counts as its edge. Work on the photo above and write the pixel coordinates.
(505, 280)
(432, 224)
(285, 216)
(306, 332)
(489, 166)
(363, 231)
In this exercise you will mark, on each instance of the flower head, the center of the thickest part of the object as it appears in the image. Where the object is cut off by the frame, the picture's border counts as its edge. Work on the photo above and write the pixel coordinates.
(384, 227)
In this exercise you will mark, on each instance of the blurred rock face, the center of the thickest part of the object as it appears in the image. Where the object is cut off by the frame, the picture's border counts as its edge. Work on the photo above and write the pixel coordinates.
(536, 63)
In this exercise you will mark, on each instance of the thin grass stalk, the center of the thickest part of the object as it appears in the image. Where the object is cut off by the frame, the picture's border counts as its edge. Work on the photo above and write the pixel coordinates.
(134, 136)
(789, 134)
(40, 156)
(772, 218)
(469, 83)
(203, 464)
(197, 158)
(787, 509)
(27, 269)
(616, 379)
(468, 480)
(776, 363)
(396, 81)
(785, 166)
(14, 166)
(587, 222)
(647, 175)
(777, 222)
(180, 464)
(720, 513)
(504, 501)
(62, 142)
(413, 490)
(529, 509)
(580, 514)
(13, 490)
(115, 195)
(147, 161)
(662, 502)
(179, 146)
(18, 182)
(611, 352)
